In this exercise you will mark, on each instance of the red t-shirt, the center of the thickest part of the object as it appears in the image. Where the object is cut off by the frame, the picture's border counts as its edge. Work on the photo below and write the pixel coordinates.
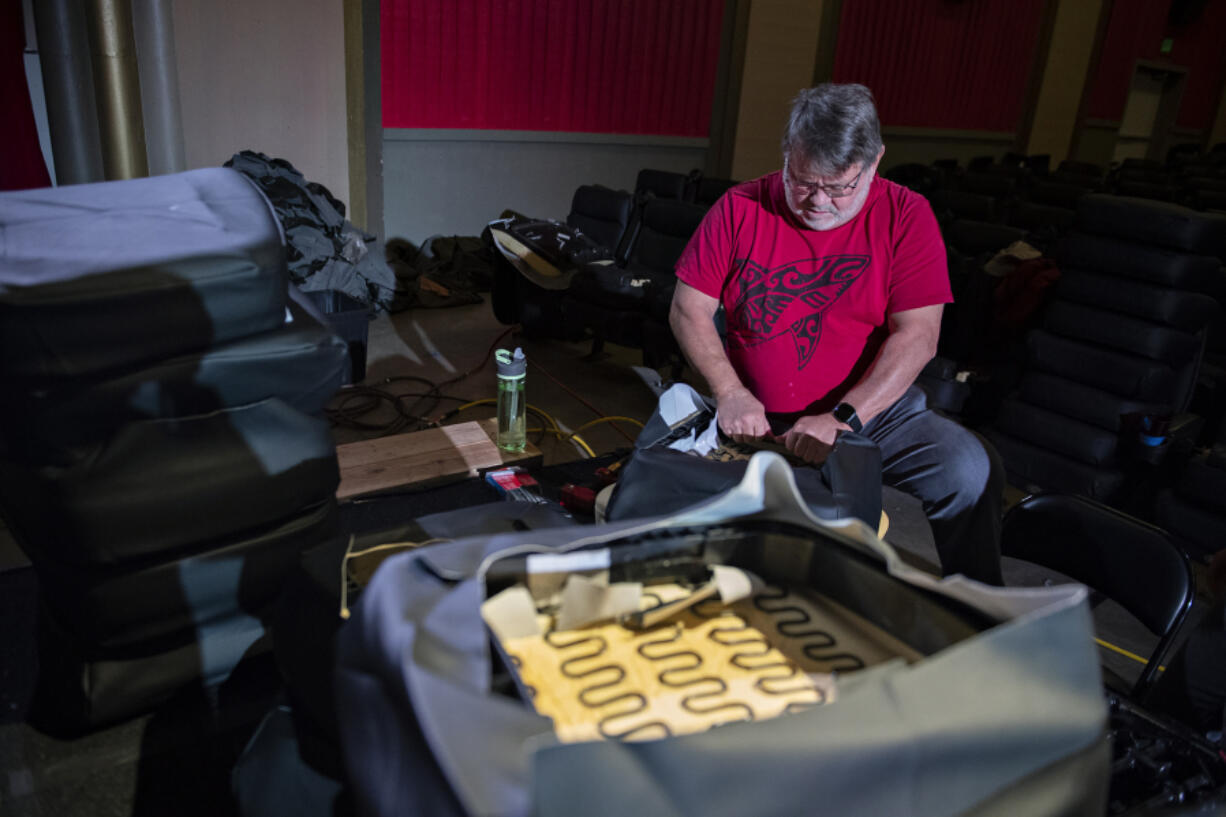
(807, 309)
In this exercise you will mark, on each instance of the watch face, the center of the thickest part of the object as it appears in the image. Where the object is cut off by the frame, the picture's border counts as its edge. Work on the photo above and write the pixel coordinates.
(843, 412)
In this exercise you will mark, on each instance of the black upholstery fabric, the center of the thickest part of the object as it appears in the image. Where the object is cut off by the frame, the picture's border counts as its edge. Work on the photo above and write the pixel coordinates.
(167, 601)
(162, 487)
(1170, 268)
(1117, 331)
(1189, 311)
(658, 480)
(97, 278)
(1123, 374)
(1029, 464)
(1094, 406)
(1154, 222)
(302, 363)
(603, 214)
(1056, 432)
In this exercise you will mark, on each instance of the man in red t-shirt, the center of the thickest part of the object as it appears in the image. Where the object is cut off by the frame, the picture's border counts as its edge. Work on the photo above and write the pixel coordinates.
(832, 282)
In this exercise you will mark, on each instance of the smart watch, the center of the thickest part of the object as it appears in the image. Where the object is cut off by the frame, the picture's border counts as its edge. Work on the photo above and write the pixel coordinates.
(845, 413)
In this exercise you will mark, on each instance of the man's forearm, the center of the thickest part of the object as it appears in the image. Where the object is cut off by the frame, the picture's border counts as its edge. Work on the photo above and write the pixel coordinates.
(899, 361)
(704, 350)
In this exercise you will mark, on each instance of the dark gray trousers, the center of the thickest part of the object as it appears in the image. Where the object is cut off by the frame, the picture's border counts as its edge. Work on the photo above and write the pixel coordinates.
(954, 472)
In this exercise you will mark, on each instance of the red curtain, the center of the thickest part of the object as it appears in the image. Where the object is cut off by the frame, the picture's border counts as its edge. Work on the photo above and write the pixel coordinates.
(941, 63)
(1135, 32)
(21, 159)
(601, 66)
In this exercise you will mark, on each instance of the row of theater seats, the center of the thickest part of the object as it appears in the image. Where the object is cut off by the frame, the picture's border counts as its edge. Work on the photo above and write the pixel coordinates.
(163, 455)
(626, 298)
(1114, 363)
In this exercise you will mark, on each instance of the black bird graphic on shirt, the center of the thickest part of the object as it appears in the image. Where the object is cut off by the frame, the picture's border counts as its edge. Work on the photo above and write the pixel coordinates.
(764, 294)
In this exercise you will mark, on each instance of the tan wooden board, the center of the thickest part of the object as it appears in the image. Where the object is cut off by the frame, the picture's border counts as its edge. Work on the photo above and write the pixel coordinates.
(423, 457)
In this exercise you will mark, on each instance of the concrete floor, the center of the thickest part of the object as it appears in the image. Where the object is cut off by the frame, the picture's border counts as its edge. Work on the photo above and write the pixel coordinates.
(176, 760)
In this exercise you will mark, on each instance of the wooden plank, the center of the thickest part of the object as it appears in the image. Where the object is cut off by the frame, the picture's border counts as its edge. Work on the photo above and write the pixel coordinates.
(423, 457)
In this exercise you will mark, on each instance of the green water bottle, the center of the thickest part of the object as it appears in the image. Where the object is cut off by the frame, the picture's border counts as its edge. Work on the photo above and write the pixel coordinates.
(512, 407)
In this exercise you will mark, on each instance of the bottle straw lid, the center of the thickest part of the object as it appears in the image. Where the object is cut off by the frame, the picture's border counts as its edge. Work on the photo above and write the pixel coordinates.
(511, 365)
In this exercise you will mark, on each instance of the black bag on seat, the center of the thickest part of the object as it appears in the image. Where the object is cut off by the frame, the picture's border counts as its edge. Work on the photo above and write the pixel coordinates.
(96, 278)
(159, 486)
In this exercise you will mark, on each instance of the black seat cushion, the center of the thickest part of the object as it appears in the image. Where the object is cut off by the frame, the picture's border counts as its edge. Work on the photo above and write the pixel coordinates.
(98, 278)
(161, 487)
(1128, 334)
(1153, 222)
(1057, 432)
(1126, 375)
(1188, 311)
(1029, 464)
(1086, 403)
(1119, 256)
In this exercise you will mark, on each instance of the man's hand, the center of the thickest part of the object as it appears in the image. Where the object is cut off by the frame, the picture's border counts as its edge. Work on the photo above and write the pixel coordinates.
(741, 415)
(813, 436)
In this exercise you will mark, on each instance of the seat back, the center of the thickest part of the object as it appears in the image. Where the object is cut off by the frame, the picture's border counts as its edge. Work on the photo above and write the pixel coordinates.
(662, 184)
(602, 213)
(666, 229)
(1135, 564)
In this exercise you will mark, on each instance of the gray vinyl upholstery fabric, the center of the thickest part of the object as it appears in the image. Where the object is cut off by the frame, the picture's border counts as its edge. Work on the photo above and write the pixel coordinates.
(98, 278)
(1009, 719)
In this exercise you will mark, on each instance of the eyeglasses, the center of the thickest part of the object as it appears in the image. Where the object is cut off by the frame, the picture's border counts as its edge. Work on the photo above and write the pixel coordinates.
(834, 191)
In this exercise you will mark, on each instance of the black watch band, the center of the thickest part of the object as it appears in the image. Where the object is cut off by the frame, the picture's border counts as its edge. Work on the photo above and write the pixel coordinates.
(845, 413)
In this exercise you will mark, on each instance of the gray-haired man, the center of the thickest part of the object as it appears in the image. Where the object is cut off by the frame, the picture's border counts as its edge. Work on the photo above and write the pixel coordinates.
(833, 282)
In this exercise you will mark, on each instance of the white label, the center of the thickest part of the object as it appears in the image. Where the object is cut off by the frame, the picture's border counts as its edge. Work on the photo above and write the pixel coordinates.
(572, 562)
